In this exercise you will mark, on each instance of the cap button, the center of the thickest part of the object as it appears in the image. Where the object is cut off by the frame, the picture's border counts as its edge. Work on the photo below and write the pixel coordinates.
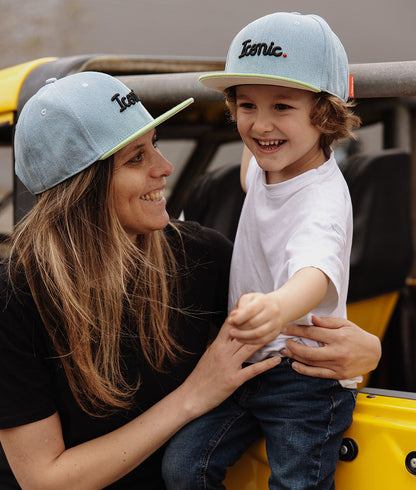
(50, 80)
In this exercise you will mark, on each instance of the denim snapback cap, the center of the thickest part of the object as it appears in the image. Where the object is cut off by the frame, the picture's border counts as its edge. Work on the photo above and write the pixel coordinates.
(75, 121)
(285, 49)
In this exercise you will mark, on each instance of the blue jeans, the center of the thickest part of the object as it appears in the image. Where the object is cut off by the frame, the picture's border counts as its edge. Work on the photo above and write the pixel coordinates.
(302, 418)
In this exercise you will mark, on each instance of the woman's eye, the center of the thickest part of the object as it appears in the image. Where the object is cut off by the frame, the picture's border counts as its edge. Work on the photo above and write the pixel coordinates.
(138, 158)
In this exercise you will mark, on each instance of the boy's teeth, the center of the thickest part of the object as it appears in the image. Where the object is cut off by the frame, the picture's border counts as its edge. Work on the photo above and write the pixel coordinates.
(153, 196)
(270, 143)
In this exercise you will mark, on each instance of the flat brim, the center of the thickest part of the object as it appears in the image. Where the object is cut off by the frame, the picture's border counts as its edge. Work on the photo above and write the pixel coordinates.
(221, 81)
(152, 124)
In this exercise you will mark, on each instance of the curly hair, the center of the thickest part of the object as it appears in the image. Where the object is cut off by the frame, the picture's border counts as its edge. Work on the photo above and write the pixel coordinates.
(334, 118)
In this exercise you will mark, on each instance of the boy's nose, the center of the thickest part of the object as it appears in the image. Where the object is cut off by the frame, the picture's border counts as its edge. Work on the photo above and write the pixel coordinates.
(263, 123)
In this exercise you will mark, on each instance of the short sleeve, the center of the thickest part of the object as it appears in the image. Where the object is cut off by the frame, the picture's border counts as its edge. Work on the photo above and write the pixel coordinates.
(25, 393)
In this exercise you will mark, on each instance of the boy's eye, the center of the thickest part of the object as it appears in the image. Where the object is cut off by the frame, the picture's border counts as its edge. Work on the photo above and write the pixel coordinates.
(282, 107)
(246, 105)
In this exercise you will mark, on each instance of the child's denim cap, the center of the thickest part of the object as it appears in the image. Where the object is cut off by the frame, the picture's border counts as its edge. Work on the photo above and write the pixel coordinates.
(71, 123)
(285, 49)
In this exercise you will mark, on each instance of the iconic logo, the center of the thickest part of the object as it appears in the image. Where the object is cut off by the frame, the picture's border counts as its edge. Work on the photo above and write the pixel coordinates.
(124, 102)
(261, 48)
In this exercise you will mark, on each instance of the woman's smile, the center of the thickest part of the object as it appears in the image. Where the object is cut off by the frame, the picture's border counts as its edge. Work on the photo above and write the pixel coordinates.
(140, 172)
(153, 196)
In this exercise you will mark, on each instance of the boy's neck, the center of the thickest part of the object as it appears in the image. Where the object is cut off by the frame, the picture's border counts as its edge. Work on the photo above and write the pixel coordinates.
(272, 177)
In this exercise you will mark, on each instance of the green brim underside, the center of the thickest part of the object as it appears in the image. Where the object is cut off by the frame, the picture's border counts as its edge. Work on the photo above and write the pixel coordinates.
(149, 126)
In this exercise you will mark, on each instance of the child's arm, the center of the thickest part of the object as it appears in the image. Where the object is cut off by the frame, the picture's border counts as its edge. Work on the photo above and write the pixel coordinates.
(245, 160)
(258, 318)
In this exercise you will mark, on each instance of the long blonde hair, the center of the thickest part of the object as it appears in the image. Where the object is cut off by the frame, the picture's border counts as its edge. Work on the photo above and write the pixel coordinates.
(93, 286)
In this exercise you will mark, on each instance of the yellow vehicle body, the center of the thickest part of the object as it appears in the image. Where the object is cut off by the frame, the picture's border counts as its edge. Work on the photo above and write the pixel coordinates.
(384, 430)
(11, 81)
(373, 314)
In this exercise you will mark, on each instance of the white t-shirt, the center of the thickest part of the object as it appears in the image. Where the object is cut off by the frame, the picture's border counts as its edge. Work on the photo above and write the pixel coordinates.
(302, 222)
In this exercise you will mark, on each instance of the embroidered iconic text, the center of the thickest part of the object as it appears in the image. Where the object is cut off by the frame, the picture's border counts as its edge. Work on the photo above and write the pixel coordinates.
(260, 48)
(124, 102)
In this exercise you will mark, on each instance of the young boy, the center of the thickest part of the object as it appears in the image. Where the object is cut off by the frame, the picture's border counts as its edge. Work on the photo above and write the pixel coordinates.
(286, 83)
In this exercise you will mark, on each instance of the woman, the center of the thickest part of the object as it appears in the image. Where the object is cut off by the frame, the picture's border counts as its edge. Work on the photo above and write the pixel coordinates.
(105, 305)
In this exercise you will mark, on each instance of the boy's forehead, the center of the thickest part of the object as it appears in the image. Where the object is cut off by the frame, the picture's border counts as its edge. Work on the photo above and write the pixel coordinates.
(257, 90)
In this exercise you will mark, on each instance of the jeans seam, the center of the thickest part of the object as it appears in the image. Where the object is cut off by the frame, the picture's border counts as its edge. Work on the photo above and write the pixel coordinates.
(211, 447)
(328, 431)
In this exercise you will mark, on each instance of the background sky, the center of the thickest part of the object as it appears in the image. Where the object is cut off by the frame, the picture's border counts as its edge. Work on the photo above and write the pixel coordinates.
(371, 30)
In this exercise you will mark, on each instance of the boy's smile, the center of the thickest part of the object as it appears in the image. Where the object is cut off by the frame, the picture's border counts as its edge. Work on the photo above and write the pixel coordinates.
(270, 144)
(274, 123)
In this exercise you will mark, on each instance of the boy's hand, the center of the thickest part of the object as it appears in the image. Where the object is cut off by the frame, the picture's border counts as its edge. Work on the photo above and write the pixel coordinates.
(256, 318)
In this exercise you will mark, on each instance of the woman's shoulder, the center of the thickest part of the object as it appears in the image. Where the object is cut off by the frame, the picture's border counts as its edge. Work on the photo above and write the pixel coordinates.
(194, 245)
(3, 272)
(15, 295)
(5, 283)
(193, 236)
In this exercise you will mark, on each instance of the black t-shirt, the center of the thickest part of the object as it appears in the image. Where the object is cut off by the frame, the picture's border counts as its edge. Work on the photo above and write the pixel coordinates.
(33, 384)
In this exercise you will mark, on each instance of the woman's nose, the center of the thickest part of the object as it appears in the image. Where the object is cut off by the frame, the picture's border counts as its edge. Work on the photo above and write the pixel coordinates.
(161, 166)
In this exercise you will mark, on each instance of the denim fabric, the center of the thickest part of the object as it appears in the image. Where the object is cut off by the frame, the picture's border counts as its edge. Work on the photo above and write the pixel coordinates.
(254, 58)
(302, 418)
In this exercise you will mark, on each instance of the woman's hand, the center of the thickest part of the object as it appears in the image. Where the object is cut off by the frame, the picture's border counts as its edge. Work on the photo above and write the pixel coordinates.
(219, 372)
(37, 454)
(348, 350)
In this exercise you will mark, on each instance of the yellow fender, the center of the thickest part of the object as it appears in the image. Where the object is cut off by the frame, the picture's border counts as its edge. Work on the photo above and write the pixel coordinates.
(11, 81)
(381, 444)
(373, 315)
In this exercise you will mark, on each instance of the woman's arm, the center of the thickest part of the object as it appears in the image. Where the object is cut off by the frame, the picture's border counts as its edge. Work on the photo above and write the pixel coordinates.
(348, 350)
(39, 459)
